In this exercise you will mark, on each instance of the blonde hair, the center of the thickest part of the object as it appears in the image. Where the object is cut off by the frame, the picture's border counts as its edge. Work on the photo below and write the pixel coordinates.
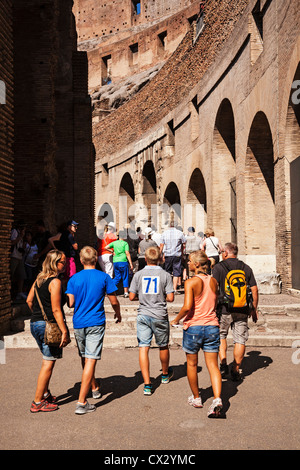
(88, 255)
(209, 232)
(50, 266)
(200, 257)
(152, 254)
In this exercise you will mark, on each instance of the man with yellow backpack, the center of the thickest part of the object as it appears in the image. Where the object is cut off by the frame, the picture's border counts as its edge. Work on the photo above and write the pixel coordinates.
(238, 300)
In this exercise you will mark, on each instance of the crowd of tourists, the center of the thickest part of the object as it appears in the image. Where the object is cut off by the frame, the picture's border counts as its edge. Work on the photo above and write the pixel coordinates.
(220, 293)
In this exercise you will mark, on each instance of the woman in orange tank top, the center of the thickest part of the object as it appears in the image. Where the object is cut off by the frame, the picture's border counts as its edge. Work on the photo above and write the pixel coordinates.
(201, 330)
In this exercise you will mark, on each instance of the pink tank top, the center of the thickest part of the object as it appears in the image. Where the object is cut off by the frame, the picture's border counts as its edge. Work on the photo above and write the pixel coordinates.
(203, 311)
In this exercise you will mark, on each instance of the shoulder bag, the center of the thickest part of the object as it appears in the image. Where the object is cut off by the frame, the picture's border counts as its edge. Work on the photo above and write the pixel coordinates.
(53, 334)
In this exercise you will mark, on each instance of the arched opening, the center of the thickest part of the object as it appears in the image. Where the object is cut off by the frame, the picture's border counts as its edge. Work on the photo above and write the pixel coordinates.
(126, 201)
(171, 210)
(259, 195)
(149, 192)
(292, 160)
(195, 209)
(104, 216)
(224, 174)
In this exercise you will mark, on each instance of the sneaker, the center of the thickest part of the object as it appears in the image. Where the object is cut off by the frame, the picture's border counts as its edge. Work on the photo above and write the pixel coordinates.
(165, 378)
(83, 409)
(44, 405)
(50, 398)
(96, 393)
(214, 411)
(196, 402)
(126, 295)
(148, 390)
(235, 375)
(224, 370)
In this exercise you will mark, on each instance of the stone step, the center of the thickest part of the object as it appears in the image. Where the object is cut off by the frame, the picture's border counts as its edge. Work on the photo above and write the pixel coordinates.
(273, 332)
(278, 325)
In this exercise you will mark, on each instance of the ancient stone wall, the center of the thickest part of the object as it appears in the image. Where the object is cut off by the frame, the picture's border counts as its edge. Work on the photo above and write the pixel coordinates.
(121, 43)
(6, 157)
(53, 147)
(216, 128)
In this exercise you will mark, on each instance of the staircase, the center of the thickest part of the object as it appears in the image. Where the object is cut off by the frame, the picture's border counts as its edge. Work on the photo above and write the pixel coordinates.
(278, 324)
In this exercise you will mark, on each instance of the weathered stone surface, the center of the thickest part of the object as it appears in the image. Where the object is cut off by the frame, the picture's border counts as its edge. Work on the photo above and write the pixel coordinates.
(269, 283)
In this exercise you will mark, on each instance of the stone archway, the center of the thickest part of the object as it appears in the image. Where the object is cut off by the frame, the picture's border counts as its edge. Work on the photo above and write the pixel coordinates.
(126, 201)
(171, 210)
(195, 210)
(292, 160)
(104, 216)
(149, 194)
(259, 196)
(224, 174)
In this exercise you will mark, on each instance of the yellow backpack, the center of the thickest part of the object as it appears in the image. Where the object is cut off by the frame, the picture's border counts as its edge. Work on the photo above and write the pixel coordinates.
(237, 294)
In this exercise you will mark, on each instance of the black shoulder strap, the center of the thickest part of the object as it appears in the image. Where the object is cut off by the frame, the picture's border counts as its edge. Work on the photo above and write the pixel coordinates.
(225, 266)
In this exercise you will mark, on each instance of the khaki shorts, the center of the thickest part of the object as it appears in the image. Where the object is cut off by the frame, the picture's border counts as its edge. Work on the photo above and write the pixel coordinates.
(239, 329)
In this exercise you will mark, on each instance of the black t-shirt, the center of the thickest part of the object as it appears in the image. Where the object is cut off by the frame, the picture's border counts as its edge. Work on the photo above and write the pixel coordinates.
(219, 273)
(65, 244)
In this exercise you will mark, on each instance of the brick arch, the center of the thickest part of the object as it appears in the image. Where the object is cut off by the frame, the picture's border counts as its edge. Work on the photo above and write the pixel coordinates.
(171, 210)
(224, 172)
(259, 194)
(105, 214)
(126, 209)
(195, 211)
(149, 191)
(291, 163)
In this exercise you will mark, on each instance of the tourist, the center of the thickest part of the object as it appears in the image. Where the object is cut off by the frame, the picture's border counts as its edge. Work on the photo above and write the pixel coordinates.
(122, 260)
(86, 292)
(193, 243)
(41, 238)
(68, 245)
(238, 320)
(212, 246)
(30, 259)
(17, 269)
(153, 287)
(49, 292)
(155, 236)
(104, 256)
(172, 245)
(143, 245)
(201, 330)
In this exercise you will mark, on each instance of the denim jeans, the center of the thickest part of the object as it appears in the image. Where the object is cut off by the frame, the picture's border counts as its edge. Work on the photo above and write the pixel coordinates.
(50, 353)
(206, 337)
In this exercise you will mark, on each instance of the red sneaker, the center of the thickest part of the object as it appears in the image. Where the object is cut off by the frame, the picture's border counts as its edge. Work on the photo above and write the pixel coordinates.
(43, 406)
(50, 398)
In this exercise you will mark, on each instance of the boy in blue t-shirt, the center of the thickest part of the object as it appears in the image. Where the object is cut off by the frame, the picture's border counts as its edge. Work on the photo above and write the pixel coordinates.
(86, 292)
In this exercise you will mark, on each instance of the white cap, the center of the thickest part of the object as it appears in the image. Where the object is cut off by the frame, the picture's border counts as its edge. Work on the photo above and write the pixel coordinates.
(112, 225)
(148, 231)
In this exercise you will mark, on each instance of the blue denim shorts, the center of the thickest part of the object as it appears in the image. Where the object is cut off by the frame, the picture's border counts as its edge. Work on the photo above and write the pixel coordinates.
(206, 337)
(90, 341)
(50, 353)
(148, 326)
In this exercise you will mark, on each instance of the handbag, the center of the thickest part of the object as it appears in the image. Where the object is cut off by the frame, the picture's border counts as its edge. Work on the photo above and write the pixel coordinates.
(53, 334)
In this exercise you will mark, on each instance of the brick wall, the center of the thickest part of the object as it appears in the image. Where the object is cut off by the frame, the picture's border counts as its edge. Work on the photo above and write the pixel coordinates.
(6, 158)
(53, 117)
(184, 70)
